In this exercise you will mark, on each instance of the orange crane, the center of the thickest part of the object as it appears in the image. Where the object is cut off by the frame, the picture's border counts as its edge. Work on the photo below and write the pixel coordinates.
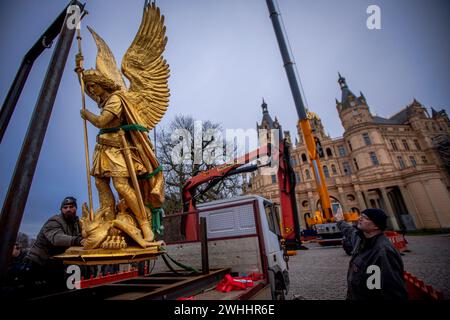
(312, 144)
(294, 82)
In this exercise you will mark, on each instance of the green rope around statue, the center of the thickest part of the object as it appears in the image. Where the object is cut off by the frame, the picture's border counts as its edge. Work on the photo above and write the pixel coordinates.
(150, 175)
(126, 127)
(157, 213)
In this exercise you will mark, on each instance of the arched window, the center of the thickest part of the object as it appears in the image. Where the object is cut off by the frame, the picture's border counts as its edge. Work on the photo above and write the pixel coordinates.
(305, 203)
(355, 210)
(326, 172)
(350, 197)
(304, 159)
(308, 175)
(347, 168)
(329, 153)
(333, 169)
(319, 147)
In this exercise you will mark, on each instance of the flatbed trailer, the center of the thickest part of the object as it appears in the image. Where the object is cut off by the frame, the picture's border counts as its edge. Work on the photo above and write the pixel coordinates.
(161, 286)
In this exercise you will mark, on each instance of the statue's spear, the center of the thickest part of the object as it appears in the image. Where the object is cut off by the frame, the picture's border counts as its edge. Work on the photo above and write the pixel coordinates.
(79, 71)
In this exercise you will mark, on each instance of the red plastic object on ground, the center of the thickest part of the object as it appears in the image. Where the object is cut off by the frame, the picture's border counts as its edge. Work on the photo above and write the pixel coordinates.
(418, 290)
(397, 240)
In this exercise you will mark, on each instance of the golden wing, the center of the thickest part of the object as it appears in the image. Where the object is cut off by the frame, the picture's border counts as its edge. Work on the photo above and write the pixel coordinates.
(105, 61)
(146, 69)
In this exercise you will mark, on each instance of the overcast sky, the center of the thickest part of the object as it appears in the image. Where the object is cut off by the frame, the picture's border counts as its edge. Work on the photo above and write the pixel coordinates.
(224, 58)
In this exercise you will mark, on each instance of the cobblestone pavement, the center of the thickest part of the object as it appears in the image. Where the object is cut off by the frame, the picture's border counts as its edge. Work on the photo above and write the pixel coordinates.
(320, 272)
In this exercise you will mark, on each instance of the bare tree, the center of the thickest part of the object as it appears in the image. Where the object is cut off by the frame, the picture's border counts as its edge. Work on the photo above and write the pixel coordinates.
(176, 174)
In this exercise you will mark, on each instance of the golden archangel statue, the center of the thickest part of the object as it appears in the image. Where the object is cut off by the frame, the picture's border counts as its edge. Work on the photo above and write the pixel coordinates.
(124, 156)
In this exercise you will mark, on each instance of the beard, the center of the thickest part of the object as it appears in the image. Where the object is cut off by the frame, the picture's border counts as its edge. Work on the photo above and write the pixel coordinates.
(70, 217)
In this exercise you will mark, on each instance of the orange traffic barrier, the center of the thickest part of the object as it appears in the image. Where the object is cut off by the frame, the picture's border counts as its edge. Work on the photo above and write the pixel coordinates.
(397, 240)
(418, 290)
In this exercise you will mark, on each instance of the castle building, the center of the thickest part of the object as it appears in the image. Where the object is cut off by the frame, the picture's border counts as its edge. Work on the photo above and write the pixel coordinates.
(399, 164)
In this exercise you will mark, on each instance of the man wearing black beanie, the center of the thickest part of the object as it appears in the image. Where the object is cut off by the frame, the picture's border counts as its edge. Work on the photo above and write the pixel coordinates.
(60, 232)
(376, 267)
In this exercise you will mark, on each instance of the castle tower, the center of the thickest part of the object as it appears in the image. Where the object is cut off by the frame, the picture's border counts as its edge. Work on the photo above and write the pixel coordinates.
(363, 138)
(441, 119)
(267, 123)
(352, 110)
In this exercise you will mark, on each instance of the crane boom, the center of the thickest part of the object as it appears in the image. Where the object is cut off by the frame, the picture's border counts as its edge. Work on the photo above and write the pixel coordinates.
(304, 124)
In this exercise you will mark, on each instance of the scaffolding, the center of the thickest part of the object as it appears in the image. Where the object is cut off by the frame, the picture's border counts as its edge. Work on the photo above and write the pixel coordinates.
(441, 143)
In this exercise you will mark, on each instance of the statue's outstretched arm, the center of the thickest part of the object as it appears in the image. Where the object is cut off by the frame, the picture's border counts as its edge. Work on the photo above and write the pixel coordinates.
(99, 121)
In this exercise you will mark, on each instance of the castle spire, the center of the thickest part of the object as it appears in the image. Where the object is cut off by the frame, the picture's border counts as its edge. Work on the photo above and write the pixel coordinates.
(264, 106)
(341, 81)
(348, 99)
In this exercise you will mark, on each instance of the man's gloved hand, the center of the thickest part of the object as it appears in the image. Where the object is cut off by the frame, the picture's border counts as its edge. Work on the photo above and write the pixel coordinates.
(77, 241)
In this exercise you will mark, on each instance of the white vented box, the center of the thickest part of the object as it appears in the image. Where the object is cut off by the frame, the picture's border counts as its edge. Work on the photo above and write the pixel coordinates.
(234, 221)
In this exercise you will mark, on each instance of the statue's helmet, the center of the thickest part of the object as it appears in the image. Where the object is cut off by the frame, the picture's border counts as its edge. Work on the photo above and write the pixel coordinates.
(95, 76)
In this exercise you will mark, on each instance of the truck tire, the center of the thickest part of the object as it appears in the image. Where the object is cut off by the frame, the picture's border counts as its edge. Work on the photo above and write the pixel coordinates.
(278, 293)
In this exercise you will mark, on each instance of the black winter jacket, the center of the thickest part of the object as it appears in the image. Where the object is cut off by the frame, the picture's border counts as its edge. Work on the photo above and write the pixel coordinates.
(55, 237)
(376, 251)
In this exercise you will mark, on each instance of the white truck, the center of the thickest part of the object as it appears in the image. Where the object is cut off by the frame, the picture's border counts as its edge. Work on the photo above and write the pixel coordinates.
(243, 235)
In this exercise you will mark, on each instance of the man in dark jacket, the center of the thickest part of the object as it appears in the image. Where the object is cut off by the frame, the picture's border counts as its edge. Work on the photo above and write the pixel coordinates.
(58, 233)
(376, 267)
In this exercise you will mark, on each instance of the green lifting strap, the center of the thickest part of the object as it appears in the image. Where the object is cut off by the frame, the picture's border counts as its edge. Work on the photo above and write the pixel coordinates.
(157, 225)
(150, 175)
(126, 127)
(185, 267)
